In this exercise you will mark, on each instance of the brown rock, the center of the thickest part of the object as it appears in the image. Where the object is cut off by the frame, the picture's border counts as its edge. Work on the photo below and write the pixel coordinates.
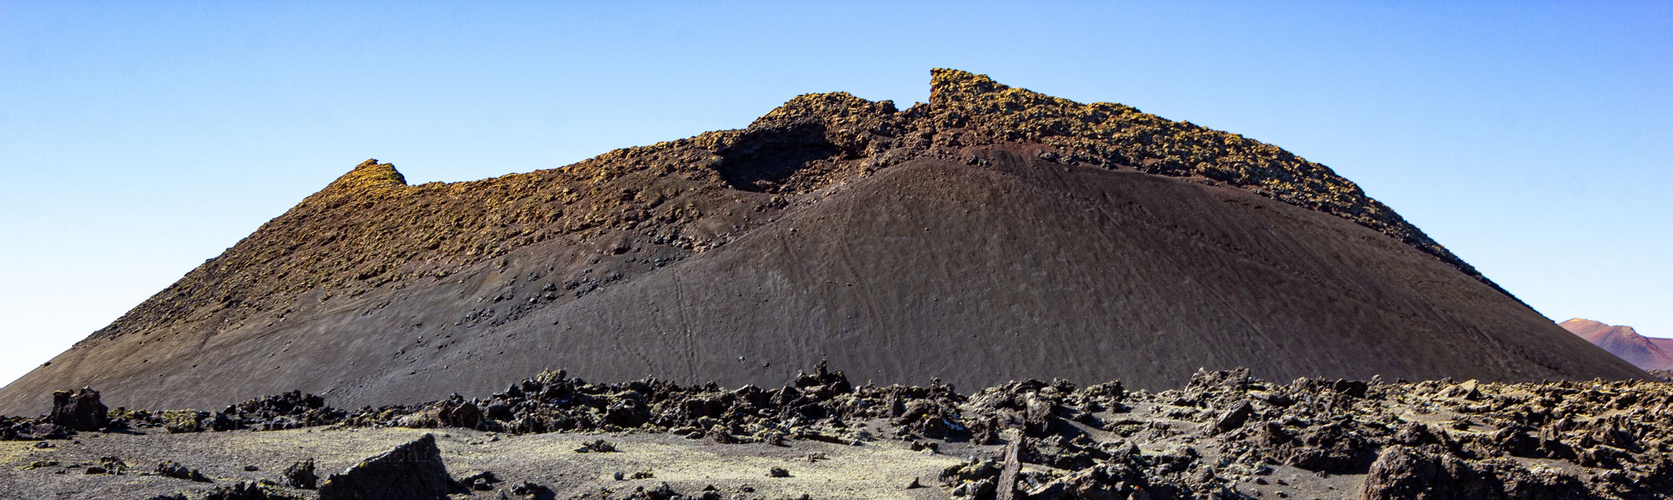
(1007, 487)
(1234, 418)
(1411, 474)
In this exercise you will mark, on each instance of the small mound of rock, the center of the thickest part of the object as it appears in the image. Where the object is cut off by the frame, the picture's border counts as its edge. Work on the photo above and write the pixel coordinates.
(300, 474)
(1407, 473)
(412, 471)
(170, 468)
(596, 446)
(246, 491)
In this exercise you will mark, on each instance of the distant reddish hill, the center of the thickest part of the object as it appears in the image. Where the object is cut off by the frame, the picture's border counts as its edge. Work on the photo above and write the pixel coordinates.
(1645, 352)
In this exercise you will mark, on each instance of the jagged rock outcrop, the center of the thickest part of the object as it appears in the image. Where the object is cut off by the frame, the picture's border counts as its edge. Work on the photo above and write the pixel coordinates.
(79, 410)
(412, 471)
(300, 474)
(1402, 473)
(990, 234)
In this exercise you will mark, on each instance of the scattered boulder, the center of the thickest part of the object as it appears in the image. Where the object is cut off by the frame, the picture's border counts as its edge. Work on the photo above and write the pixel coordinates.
(411, 471)
(1235, 417)
(108, 465)
(170, 468)
(183, 421)
(596, 446)
(531, 490)
(301, 475)
(481, 481)
(1411, 474)
(79, 410)
(247, 491)
(46, 431)
(659, 492)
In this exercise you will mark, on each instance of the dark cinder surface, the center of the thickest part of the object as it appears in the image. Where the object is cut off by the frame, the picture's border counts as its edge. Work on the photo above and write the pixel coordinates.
(972, 273)
(978, 275)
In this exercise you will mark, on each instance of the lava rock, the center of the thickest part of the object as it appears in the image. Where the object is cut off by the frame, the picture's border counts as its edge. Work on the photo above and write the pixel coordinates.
(481, 481)
(79, 410)
(411, 471)
(170, 468)
(246, 491)
(301, 475)
(598, 446)
(1234, 417)
(529, 489)
(1408, 473)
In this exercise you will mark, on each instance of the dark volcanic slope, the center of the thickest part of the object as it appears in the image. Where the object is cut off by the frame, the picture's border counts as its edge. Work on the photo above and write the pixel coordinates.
(1623, 341)
(993, 233)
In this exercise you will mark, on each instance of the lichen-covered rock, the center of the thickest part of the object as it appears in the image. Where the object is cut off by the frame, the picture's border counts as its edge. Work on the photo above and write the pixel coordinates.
(181, 421)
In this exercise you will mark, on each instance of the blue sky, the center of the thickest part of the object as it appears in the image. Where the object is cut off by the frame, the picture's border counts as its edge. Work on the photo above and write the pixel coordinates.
(138, 139)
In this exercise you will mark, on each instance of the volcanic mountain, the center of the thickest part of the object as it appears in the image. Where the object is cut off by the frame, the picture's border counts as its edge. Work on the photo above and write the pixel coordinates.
(991, 234)
(1623, 341)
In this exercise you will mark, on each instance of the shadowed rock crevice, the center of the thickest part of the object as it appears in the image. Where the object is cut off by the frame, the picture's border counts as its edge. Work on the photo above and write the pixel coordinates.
(763, 160)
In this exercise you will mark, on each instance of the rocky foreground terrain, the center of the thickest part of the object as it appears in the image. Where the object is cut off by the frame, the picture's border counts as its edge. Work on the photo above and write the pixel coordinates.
(1225, 435)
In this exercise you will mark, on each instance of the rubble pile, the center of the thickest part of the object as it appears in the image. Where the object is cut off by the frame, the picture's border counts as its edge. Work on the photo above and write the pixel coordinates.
(822, 406)
(1470, 439)
(291, 410)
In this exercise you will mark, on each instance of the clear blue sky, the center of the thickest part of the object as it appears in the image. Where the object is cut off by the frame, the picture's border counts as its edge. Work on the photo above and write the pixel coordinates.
(139, 138)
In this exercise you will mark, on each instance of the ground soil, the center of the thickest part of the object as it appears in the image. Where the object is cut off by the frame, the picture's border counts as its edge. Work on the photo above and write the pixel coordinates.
(1226, 435)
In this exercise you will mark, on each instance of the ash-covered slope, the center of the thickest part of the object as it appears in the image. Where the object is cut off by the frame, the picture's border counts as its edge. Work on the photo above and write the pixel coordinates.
(1623, 341)
(993, 233)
